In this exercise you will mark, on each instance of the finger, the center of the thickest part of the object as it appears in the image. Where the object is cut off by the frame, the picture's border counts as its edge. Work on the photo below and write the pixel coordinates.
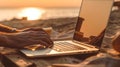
(26, 29)
(32, 29)
(47, 40)
(61, 65)
(43, 43)
(37, 29)
(45, 37)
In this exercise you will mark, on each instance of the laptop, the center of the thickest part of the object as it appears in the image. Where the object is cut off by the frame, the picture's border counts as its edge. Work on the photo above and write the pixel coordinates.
(90, 26)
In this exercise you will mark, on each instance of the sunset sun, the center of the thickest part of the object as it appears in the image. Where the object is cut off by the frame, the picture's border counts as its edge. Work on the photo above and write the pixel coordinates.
(31, 13)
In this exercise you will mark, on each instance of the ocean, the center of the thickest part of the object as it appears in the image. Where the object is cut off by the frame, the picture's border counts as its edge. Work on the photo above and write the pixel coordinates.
(35, 13)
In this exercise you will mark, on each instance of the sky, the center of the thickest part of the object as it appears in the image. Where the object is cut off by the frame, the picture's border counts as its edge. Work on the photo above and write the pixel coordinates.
(40, 3)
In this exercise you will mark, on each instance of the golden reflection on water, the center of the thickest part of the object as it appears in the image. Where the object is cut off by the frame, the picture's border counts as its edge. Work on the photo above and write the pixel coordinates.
(31, 13)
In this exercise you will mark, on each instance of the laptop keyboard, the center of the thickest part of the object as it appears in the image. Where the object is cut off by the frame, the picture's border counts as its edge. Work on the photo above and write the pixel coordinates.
(65, 46)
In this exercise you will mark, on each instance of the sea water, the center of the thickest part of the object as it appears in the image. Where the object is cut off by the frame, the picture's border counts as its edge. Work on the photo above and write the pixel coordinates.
(35, 13)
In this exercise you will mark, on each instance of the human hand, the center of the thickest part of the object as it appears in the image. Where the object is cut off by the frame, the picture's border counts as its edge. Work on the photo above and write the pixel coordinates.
(29, 37)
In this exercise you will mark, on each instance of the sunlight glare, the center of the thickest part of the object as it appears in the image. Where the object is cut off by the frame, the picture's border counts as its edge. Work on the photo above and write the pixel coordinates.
(31, 13)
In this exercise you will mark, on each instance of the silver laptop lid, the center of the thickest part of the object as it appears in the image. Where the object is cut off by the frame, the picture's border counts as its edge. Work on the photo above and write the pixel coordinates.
(92, 20)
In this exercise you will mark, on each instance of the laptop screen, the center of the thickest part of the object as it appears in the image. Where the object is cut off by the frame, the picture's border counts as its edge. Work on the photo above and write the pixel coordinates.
(93, 18)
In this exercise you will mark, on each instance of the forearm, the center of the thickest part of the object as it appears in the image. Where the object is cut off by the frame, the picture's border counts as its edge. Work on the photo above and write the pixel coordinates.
(7, 29)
